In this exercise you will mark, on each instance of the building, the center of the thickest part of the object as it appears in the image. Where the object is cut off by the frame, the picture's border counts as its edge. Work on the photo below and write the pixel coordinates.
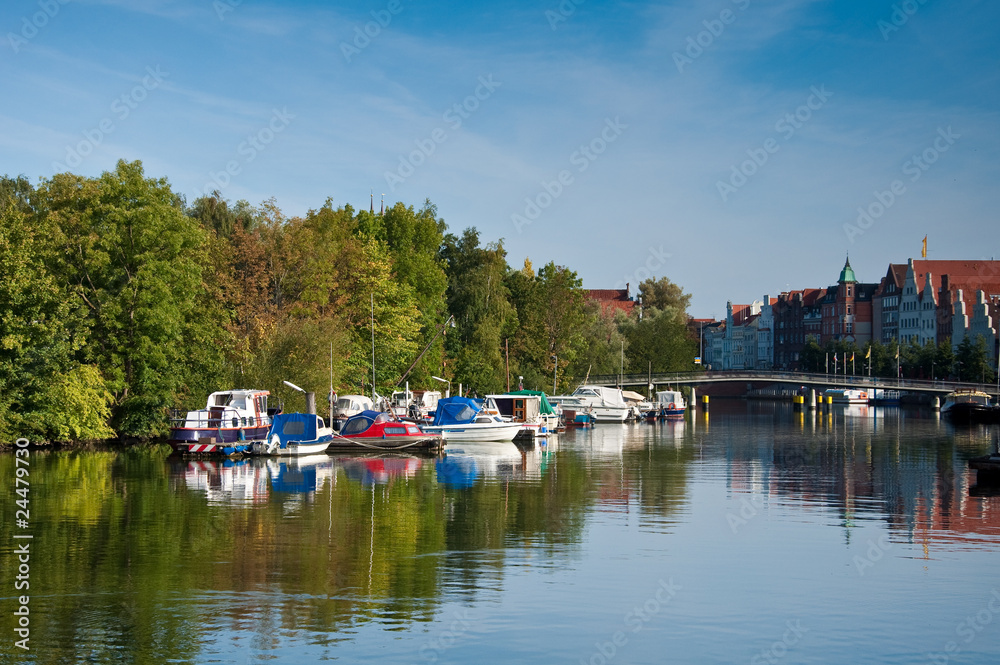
(797, 317)
(846, 309)
(932, 301)
(612, 300)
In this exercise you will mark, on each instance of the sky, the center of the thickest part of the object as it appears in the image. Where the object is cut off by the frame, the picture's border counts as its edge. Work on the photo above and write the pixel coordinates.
(737, 147)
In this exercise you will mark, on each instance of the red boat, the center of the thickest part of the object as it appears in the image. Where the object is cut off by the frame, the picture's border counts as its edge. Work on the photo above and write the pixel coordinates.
(372, 430)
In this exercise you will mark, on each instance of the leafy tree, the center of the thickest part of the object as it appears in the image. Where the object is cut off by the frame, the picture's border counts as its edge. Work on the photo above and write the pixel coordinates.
(665, 296)
(480, 301)
(973, 360)
(660, 342)
(134, 259)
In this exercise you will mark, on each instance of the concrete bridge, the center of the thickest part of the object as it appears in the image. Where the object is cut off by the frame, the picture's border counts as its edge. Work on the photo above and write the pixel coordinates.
(818, 381)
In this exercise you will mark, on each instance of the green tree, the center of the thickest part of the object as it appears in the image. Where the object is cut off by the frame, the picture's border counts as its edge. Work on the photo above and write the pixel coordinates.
(973, 360)
(480, 301)
(129, 254)
(665, 296)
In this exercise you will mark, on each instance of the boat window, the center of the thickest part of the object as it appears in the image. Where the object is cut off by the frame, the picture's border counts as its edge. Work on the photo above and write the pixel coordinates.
(484, 419)
(356, 425)
(413, 430)
(223, 399)
(294, 428)
(343, 403)
(394, 430)
(586, 391)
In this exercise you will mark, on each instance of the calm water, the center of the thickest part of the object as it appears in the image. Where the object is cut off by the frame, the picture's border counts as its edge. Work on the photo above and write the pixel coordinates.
(753, 535)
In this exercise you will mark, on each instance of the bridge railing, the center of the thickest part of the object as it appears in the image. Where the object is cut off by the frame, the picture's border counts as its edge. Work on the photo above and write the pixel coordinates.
(802, 378)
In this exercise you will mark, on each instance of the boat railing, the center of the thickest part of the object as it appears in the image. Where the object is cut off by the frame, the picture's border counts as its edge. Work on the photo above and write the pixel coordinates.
(216, 418)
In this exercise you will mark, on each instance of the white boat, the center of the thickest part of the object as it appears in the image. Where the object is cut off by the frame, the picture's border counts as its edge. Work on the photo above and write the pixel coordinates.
(229, 422)
(847, 395)
(669, 404)
(350, 405)
(530, 408)
(295, 434)
(464, 419)
(414, 404)
(603, 403)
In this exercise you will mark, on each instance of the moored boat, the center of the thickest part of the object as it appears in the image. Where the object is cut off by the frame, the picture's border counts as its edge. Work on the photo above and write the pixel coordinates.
(531, 408)
(464, 419)
(846, 395)
(229, 423)
(295, 434)
(349, 405)
(604, 404)
(970, 406)
(375, 430)
(669, 404)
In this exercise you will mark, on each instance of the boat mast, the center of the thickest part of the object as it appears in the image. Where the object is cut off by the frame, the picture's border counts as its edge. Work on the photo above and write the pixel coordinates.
(373, 347)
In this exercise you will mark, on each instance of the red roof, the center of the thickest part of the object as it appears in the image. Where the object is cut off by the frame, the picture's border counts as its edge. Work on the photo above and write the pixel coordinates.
(611, 300)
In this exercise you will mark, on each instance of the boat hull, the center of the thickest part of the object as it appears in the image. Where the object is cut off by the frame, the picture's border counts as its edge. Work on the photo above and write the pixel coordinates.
(472, 432)
(292, 448)
(402, 442)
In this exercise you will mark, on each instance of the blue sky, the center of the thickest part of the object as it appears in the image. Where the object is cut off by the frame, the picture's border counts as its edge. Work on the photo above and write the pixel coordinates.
(724, 144)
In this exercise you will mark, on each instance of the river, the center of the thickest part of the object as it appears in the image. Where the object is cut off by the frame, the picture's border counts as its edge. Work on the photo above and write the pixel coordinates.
(752, 534)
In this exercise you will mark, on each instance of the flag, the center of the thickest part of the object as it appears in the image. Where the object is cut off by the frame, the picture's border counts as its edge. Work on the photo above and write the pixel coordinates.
(852, 356)
(923, 252)
(869, 354)
(897, 353)
(835, 359)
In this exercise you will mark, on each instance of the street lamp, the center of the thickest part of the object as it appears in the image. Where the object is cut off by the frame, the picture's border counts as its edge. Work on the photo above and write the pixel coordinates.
(448, 381)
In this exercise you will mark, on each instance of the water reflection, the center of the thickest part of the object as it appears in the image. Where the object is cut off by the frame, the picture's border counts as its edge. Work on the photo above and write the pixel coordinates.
(148, 559)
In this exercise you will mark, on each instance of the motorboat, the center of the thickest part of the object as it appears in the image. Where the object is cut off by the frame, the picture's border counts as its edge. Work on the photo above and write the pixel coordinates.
(669, 404)
(229, 423)
(374, 430)
(295, 434)
(350, 405)
(603, 403)
(531, 408)
(416, 405)
(846, 395)
(465, 419)
(970, 406)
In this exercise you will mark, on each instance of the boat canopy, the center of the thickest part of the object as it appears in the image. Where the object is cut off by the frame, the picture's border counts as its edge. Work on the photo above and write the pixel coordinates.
(295, 427)
(362, 421)
(457, 410)
(546, 407)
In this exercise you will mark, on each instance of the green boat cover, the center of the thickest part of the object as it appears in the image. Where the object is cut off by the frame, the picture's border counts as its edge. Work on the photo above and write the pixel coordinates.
(546, 407)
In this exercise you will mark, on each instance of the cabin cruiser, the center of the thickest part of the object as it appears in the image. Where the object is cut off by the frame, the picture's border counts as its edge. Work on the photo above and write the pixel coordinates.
(350, 405)
(295, 434)
(602, 403)
(970, 406)
(669, 404)
(229, 422)
(529, 407)
(465, 419)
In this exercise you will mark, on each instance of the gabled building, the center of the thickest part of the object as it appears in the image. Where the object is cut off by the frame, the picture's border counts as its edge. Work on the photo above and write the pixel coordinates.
(612, 300)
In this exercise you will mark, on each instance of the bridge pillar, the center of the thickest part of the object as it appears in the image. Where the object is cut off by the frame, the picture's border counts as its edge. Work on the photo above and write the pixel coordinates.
(693, 403)
(812, 398)
(936, 403)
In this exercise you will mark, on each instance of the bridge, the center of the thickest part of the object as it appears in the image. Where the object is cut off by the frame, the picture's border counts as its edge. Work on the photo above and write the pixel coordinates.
(818, 381)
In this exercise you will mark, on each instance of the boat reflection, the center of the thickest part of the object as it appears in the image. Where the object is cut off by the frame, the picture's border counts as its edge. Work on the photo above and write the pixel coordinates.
(225, 481)
(378, 470)
(465, 462)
